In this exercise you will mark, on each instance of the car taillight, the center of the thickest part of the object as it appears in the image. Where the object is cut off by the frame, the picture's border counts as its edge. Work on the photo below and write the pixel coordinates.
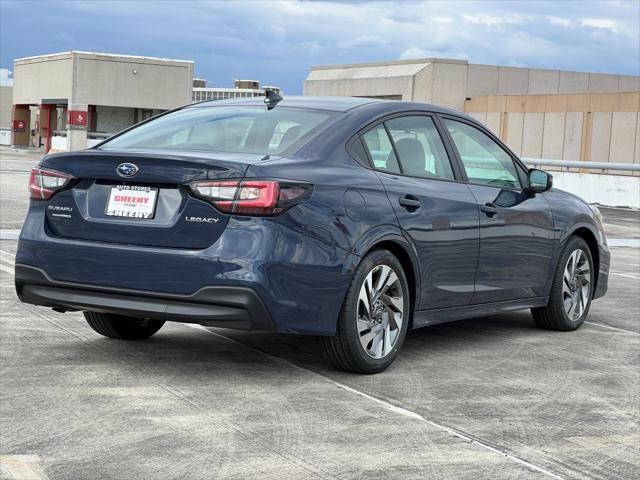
(44, 183)
(251, 197)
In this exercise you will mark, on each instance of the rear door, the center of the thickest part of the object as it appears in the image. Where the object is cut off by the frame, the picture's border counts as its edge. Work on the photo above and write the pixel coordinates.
(516, 228)
(435, 211)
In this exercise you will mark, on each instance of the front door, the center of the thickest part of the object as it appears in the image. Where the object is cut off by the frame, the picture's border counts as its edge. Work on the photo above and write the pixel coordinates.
(438, 214)
(516, 228)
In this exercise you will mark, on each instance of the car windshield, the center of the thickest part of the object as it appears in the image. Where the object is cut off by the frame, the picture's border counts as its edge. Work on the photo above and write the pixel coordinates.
(230, 129)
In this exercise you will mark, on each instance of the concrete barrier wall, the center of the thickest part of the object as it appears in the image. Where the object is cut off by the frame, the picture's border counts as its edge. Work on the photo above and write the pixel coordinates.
(608, 190)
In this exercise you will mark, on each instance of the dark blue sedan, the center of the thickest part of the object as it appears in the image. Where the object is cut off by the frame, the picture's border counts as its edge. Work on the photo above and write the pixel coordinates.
(353, 219)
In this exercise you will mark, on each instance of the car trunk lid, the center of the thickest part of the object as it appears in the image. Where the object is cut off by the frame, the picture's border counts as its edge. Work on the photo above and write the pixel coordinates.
(151, 207)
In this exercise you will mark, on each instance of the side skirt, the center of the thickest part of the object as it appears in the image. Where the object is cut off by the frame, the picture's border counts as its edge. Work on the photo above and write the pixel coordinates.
(424, 318)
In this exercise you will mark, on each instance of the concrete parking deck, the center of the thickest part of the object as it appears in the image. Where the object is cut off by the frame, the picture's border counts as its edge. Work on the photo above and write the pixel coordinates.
(484, 398)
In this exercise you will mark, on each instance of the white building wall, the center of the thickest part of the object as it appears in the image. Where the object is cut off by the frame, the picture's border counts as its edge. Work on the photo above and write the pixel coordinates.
(6, 102)
(572, 136)
(137, 82)
(553, 135)
(45, 77)
(600, 137)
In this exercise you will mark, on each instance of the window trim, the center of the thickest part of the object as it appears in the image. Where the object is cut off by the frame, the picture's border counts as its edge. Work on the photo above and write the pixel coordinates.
(521, 169)
(458, 173)
(395, 150)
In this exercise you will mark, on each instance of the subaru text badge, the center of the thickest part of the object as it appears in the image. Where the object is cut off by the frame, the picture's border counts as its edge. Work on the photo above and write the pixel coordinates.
(127, 169)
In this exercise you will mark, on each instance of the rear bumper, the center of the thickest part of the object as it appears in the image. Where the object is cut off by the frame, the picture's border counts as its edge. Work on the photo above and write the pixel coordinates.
(300, 280)
(215, 306)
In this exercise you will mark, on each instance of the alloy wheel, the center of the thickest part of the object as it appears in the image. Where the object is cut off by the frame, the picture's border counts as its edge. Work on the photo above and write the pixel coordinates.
(576, 285)
(380, 311)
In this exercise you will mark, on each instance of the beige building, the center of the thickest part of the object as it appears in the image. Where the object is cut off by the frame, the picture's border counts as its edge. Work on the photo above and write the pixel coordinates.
(6, 100)
(549, 114)
(71, 100)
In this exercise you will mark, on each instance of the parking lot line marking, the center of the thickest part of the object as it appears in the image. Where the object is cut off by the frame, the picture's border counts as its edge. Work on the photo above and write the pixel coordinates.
(388, 406)
(624, 242)
(611, 328)
(9, 234)
(10, 256)
(4, 268)
(628, 275)
(22, 467)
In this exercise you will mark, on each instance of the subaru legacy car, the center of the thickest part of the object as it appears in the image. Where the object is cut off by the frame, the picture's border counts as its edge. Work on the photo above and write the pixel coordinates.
(356, 220)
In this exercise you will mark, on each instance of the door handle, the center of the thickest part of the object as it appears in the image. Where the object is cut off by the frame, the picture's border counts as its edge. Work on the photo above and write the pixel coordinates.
(490, 209)
(410, 202)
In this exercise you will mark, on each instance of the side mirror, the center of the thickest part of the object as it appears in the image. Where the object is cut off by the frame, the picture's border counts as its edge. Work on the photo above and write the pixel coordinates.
(539, 181)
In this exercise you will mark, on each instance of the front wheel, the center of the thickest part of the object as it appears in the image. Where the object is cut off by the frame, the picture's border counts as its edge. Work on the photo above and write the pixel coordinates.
(571, 290)
(374, 318)
(122, 327)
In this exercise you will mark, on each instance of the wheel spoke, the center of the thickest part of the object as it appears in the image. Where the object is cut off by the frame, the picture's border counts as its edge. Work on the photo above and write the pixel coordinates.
(574, 306)
(584, 295)
(368, 287)
(378, 341)
(382, 280)
(366, 339)
(568, 304)
(395, 303)
(396, 319)
(571, 265)
(391, 280)
(363, 301)
(387, 340)
(363, 325)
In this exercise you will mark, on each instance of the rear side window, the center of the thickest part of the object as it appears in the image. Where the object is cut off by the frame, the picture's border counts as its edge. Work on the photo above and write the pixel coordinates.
(484, 161)
(420, 148)
(381, 150)
(224, 129)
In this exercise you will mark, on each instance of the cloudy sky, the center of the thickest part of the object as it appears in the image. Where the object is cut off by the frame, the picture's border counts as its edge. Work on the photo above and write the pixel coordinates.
(277, 42)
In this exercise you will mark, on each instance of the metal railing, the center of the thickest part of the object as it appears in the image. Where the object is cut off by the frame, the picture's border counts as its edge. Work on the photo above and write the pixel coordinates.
(540, 162)
(63, 133)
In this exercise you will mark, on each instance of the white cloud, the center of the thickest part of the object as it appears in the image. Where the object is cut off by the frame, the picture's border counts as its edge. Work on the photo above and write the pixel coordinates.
(605, 23)
(491, 20)
(414, 52)
(364, 41)
(563, 22)
(5, 77)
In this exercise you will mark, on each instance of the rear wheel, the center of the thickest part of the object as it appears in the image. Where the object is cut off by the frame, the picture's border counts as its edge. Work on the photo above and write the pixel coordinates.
(374, 318)
(571, 290)
(122, 327)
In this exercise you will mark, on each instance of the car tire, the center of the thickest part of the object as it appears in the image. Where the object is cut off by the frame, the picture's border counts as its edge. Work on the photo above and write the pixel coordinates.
(571, 290)
(122, 327)
(371, 344)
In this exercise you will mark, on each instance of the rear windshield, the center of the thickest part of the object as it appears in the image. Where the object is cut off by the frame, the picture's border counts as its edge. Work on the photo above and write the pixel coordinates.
(224, 129)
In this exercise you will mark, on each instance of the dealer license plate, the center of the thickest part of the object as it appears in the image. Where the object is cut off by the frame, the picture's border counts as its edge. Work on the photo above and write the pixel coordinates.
(132, 201)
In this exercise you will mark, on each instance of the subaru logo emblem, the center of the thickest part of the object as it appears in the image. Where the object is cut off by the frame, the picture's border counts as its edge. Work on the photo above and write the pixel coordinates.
(127, 169)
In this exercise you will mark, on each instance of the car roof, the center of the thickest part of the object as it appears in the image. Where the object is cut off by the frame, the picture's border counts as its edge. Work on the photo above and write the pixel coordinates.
(336, 104)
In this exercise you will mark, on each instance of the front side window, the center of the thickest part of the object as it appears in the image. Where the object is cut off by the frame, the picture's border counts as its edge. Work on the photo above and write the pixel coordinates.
(224, 129)
(420, 148)
(484, 161)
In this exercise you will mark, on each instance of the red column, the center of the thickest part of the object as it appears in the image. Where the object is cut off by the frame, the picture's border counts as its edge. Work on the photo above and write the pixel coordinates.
(46, 127)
